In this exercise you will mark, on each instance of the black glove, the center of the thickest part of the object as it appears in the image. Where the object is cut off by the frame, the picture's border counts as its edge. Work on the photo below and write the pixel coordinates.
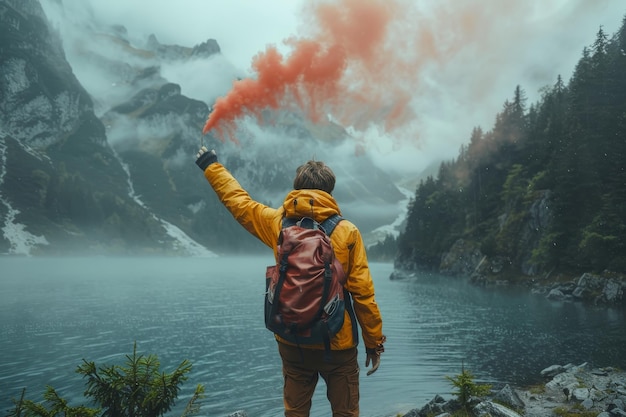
(373, 356)
(204, 158)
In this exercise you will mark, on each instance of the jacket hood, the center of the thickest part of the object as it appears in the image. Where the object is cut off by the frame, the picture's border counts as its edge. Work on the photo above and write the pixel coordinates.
(310, 203)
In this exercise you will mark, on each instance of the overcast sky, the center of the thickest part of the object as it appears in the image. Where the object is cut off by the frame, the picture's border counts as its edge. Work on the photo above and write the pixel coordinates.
(490, 47)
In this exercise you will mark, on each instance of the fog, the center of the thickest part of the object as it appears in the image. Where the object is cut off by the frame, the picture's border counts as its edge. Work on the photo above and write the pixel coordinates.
(449, 66)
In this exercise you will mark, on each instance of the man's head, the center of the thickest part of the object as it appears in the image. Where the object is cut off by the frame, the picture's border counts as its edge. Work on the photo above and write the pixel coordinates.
(314, 175)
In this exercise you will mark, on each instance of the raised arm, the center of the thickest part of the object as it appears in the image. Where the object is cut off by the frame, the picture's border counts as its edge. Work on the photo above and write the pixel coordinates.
(255, 217)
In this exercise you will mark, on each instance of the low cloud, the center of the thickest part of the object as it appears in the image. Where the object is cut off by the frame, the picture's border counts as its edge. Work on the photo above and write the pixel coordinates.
(203, 79)
(443, 66)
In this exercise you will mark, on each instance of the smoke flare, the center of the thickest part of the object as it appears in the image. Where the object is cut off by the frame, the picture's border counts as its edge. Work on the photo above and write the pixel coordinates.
(339, 70)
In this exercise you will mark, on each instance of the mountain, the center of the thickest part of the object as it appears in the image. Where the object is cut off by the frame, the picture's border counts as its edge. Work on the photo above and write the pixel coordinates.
(97, 144)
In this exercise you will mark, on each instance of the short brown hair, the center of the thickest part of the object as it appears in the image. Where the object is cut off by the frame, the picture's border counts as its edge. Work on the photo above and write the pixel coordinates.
(314, 175)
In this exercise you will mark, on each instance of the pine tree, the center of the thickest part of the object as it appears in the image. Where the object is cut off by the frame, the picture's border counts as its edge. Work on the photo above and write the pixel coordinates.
(570, 146)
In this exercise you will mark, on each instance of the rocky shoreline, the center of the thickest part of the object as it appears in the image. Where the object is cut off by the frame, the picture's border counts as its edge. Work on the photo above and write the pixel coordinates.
(607, 289)
(570, 390)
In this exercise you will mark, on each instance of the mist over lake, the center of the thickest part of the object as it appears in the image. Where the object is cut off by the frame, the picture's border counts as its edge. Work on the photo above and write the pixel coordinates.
(56, 311)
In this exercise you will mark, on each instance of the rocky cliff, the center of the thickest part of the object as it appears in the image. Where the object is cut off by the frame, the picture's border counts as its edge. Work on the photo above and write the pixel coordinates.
(61, 185)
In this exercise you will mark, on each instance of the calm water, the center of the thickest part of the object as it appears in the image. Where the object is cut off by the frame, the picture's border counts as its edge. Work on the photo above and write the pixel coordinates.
(55, 312)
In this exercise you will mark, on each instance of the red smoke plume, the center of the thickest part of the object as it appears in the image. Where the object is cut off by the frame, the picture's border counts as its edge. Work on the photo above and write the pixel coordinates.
(342, 69)
(367, 61)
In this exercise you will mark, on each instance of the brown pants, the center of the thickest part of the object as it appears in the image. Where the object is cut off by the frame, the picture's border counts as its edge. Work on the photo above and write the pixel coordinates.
(301, 370)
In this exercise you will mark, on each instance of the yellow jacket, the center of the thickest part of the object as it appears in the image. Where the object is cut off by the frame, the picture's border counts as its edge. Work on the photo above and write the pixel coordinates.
(265, 223)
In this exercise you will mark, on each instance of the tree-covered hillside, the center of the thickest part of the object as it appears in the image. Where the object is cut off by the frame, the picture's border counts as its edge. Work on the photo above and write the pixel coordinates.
(545, 189)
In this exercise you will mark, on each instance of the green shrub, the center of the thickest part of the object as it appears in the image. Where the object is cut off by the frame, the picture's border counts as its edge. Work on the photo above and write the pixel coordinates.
(467, 388)
(52, 406)
(136, 389)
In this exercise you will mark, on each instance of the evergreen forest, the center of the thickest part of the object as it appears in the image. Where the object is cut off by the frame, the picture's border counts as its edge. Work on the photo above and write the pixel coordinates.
(555, 170)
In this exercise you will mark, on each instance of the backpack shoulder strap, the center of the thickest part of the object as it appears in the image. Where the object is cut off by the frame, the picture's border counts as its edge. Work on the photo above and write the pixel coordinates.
(330, 223)
(289, 221)
(329, 226)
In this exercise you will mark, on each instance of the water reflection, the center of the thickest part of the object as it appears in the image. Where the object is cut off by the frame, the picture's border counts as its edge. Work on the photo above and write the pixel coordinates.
(510, 335)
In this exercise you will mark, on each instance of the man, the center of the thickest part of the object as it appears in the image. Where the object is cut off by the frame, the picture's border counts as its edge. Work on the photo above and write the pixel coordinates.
(302, 365)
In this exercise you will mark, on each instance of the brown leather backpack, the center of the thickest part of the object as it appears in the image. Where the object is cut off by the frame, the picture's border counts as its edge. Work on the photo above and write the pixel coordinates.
(305, 298)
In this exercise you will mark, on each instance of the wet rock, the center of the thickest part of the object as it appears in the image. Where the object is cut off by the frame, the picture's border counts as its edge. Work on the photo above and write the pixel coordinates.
(551, 371)
(587, 403)
(402, 274)
(433, 407)
(556, 295)
(580, 394)
(605, 290)
(613, 292)
(509, 397)
(490, 409)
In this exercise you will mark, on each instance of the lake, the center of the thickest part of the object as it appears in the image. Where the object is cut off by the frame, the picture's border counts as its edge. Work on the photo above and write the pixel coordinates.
(56, 311)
